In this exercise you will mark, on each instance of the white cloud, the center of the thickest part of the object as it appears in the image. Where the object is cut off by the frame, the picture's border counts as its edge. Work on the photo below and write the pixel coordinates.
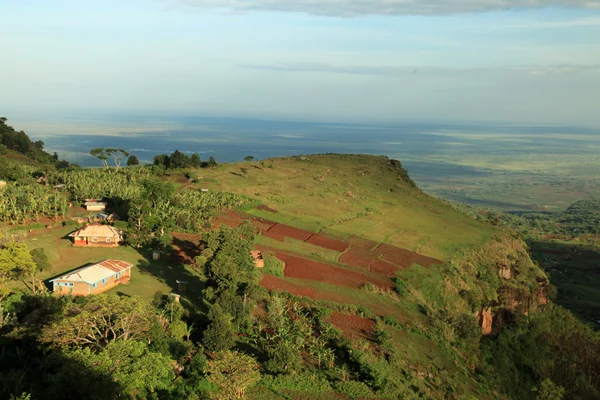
(354, 8)
(427, 71)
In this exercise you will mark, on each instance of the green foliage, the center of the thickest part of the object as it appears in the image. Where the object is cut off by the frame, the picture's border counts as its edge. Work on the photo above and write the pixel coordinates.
(274, 266)
(548, 390)
(282, 358)
(232, 373)
(177, 160)
(354, 389)
(305, 382)
(219, 335)
(10, 139)
(100, 320)
(230, 265)
(401, 286)
(132, 161)
(32, 201)
(15, 262)
(136, 370)
(554, 345)
(40, 259)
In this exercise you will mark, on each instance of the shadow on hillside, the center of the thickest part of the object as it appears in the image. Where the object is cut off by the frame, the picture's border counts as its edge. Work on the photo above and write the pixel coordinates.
(45, 375)
(184, 251)
(575, 271)
(168, 272)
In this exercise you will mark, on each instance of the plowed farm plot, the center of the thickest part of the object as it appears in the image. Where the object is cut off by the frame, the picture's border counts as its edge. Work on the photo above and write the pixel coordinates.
(281, 230)
(328, 243)
(403, 257)
(382, 259)
(296, 267)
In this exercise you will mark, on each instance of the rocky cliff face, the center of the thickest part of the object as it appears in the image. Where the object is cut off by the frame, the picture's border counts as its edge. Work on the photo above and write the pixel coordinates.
(486, 318)
(520, 286)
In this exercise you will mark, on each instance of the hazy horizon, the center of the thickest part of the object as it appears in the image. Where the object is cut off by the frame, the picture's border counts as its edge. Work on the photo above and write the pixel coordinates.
(379, 61)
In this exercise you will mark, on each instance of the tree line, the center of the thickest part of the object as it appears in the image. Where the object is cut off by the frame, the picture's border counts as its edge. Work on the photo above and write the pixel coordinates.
(19, 141)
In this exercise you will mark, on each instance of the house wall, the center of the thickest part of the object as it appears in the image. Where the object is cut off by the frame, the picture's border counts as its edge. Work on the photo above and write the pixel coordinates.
(78, 288)
(87, 242)
(83, 289)
(101, 287)
(95, 208)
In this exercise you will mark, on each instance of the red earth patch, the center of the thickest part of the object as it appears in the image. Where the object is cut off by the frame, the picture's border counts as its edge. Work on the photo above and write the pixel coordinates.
(353, 326)
(328, 243)
(403, 257)
(296, 267)
(281, 230)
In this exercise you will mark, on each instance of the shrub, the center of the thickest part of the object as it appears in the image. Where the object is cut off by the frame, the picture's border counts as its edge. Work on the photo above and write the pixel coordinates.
(354, 389)
(274, 266)
(401, 287)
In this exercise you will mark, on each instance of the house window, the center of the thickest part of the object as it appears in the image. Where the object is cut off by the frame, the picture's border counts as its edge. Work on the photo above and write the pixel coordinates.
(108, 240)
(94, 239)
(94, 286)
(104, 281)
(118, 274)
(70, 284)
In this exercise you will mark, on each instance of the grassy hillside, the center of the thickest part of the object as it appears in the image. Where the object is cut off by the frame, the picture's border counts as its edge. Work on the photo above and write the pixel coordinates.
(344, 195)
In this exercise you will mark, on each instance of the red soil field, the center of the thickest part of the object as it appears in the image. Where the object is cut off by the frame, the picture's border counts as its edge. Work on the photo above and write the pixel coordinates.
(271, 282)
(288, 231)
(383, 259)
(262, 224)
(296, 267)
(357, 258)
(327, 243)
(232, 219)
(403, 257)
(266, 208)
(353, 326)
(384, 268)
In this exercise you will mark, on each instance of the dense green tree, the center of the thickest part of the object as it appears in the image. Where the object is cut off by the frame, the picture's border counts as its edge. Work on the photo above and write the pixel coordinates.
(282, 358)
(117, 156)
(161, 160)
(195, 160)
(211, 162)
(101, 155)
(249, 158)
(232, 373)
(42, 264)
(219, 335)
(137, 370)
(99, 320)
(179, 160)
(549, 391)
(132, 160)
(15, 263)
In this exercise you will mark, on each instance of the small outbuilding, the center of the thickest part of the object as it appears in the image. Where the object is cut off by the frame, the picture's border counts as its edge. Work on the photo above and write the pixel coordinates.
(259, 262)
(3, 183)
(94, 278)
(96, 235)
(95, 205)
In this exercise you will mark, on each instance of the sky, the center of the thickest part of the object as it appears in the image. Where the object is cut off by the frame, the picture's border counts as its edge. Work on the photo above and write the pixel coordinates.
(507, 61)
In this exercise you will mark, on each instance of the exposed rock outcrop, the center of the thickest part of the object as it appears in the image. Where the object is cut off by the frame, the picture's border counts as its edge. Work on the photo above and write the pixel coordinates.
(486, 318)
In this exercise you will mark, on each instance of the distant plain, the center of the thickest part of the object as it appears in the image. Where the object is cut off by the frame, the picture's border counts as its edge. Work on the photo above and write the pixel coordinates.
(507, 167)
